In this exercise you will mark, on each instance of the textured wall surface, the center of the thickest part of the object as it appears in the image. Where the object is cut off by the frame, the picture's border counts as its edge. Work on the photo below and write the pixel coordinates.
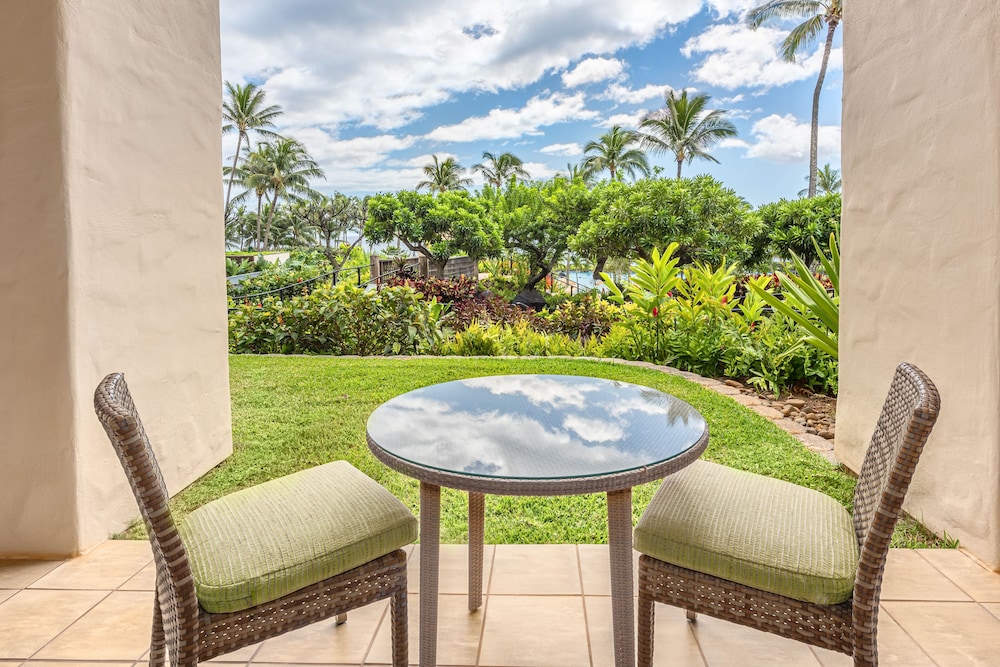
(921, 235)
(109, 181)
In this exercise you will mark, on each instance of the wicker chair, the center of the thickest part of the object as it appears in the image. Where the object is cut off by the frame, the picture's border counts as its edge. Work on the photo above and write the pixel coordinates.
(764, 553)
(236, 553)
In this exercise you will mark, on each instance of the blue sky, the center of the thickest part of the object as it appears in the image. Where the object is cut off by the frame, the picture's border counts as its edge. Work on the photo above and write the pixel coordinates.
(374, 89)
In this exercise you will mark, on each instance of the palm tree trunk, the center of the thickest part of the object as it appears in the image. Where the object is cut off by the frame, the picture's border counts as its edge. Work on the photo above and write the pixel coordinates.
(680, 161)
(814, 134)
(260, 199)
(270, 218)
(232, 175)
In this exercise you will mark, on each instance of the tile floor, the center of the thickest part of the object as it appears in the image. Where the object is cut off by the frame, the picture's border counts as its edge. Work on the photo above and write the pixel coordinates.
(546, 606)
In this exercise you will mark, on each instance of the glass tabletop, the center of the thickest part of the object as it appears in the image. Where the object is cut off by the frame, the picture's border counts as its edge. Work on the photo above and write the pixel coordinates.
(535, 427)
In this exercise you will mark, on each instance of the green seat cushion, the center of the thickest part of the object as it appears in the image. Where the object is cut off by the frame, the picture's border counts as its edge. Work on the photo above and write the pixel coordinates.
(757, 531)
(262, 543)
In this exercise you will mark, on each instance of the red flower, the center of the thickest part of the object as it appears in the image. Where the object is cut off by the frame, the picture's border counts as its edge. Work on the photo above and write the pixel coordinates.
(724, 300)
(656, 311)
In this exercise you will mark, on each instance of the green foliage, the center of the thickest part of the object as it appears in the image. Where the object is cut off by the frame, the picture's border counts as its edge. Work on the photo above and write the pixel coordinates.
(582, 317)
(299, 268)
(807, 303)
(519, 339)
(436, 226)
(708, 221)
(791, 227)
(340, 320)
(537, 220)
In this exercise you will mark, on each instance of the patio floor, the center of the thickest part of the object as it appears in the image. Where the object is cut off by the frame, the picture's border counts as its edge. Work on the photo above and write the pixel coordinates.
(546, 606)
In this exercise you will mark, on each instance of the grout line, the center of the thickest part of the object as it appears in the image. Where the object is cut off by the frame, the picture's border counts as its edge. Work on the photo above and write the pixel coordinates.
(378, 626)
(883, 610)
(74, 622)
(583, 601)
(947, 578)
(486, 603)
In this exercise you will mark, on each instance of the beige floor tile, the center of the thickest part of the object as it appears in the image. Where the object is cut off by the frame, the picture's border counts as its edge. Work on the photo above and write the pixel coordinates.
(240, 656)
(908, 576)
(976, 581)
(952, 633)
(30, 619)
(106, 567)
(116, 629)
(22, 573)
(145, 580)
(993, 608)
(595, 569)
(326, 642)
(6, 594)
(671, 633)
(63, 663)
(726, 644)
(534, 631)
(459, 632)
(895, 648)
(453, 569)
(535, 569)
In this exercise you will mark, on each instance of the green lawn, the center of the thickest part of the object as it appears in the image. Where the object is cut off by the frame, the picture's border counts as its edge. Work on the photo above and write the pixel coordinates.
(291, 413)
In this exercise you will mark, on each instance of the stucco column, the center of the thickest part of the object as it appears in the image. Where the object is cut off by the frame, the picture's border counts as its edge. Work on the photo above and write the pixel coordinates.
(921, 235)
(111, 213)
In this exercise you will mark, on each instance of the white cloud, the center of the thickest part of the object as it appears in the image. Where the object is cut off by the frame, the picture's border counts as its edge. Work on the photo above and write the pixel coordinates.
(345, 62)
(625, 95)
(738, 57)
(562, 149)
(786, 139)
(732, 142)
(725, 7)
(593, 70)
(512, 123)
(625, 120)
(539, 170)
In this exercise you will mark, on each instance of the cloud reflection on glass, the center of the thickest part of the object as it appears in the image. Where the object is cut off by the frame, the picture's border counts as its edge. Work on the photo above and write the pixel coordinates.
(535, 426)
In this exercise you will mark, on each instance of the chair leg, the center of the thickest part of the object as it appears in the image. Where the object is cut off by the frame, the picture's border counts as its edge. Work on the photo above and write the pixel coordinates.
(645, 629)
(158, 642)
(692, 615)
(400, 642)
(341, 619)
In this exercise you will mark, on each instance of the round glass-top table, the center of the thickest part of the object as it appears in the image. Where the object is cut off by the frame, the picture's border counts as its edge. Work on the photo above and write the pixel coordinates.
(533, 435)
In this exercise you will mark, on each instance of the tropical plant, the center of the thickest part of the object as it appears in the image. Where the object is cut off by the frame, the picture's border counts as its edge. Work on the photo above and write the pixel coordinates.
(617, 153)
(817, 13)
(685, 128)
(650, 291)
(334, 218)
(498, 170)
(577, 172)
(792, 226)
(243, 111)
(827, 181)
(284, 168)
(807, 303)
(538, 219)
(436, 227)
(444, 176)
(708, 221)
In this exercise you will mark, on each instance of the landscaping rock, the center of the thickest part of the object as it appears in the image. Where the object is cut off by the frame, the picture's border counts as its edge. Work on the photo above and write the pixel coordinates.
(795, 402)
(828, 435)
(734, 383)
(787, 410)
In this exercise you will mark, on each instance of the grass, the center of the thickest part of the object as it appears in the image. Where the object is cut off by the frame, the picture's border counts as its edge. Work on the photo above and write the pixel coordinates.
(291, 413)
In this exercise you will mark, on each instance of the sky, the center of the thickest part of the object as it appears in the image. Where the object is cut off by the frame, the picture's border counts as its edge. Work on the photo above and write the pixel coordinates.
(374, 88)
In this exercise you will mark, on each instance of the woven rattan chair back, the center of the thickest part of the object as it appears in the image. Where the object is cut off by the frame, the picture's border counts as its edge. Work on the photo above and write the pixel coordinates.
(907, 417)
(177, 602)
(850, 627)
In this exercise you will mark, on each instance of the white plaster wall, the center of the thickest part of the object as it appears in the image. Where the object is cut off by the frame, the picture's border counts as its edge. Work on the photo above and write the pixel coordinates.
(921, 235)
(36, 456)
(141, 246)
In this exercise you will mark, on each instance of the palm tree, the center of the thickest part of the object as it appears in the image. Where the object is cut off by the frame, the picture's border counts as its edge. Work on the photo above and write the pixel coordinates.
(683, 127)
(281, 169)
(817, 13)
(500, 169)
(577, 172)
(612, 152)
(442, 176)
(254, 173)
(827, 181)
(243, 111)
